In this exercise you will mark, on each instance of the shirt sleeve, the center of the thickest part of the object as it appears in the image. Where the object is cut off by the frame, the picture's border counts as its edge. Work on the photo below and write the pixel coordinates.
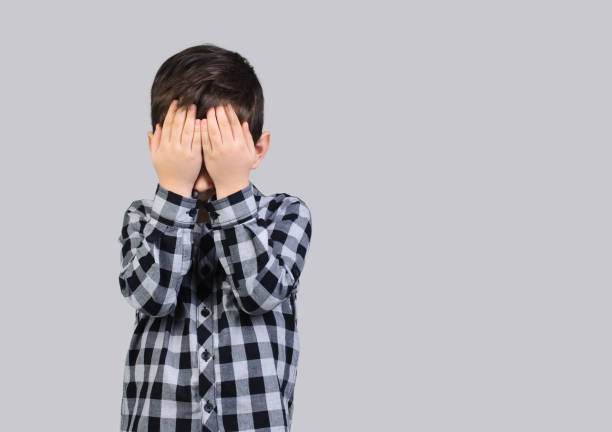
(262, 258)
(156, 244)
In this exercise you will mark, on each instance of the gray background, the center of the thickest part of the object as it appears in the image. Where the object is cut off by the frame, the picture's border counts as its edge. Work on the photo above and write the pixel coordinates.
(456, 160)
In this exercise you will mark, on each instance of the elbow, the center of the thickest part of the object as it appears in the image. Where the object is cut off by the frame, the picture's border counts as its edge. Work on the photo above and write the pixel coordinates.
(145, 303)
(251, 307)
(154, 309)
(257, 297)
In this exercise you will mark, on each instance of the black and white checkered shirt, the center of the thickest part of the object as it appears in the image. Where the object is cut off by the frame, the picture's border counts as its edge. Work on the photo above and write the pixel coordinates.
(215, 344)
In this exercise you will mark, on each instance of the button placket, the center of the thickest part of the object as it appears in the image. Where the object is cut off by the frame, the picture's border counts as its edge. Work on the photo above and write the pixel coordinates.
(205, 353)
(207, 378)
(205, 295)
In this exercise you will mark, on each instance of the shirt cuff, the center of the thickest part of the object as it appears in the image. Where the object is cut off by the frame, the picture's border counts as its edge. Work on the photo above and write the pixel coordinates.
(233, 209)
(173, 209)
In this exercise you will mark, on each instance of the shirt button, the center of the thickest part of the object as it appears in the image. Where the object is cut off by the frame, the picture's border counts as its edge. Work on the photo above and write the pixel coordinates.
(213, 214)
(192, 212)
(205, 355)
(205, 312)
(209, 406)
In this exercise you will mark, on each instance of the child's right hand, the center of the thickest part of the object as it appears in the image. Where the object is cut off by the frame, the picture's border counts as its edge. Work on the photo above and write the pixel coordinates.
(176, 149)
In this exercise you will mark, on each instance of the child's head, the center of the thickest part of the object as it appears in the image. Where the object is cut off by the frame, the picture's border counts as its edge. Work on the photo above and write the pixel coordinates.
(207, 75)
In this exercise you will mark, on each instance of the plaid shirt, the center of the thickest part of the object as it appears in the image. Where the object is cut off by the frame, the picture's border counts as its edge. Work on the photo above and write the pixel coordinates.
(215, 344)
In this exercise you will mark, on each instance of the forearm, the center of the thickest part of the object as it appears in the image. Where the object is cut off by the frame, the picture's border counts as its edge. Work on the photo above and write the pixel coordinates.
(262, 258)
(156, 251)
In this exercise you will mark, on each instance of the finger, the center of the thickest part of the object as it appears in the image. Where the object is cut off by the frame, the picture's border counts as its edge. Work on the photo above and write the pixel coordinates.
(234, 122)
(167, 127)
(248, 138)
(206, 145)
(226, 130)
(196, 145)
(187, 135)
(177, 125)
(249, 143)
(212, 129)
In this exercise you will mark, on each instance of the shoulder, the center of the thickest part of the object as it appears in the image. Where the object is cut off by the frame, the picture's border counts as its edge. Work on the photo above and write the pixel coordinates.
(137, 211)
(140, 207)
(283, 206)
(135, 217)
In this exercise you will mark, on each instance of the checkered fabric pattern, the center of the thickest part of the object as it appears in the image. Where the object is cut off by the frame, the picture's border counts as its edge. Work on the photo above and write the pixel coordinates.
(215, 342)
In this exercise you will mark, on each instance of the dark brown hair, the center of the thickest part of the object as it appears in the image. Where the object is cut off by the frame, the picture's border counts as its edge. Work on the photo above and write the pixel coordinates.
(208, 75)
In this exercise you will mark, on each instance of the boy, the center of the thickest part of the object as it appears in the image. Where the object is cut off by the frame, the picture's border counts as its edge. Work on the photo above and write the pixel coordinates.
(210, 264)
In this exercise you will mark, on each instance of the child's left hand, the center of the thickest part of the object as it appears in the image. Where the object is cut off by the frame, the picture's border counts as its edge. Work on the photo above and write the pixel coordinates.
(228, 150)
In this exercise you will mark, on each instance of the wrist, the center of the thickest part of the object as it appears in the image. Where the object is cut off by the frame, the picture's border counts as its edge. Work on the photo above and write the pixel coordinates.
(238, 207)
(177, 189)
(221, 191)
(172, 209)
